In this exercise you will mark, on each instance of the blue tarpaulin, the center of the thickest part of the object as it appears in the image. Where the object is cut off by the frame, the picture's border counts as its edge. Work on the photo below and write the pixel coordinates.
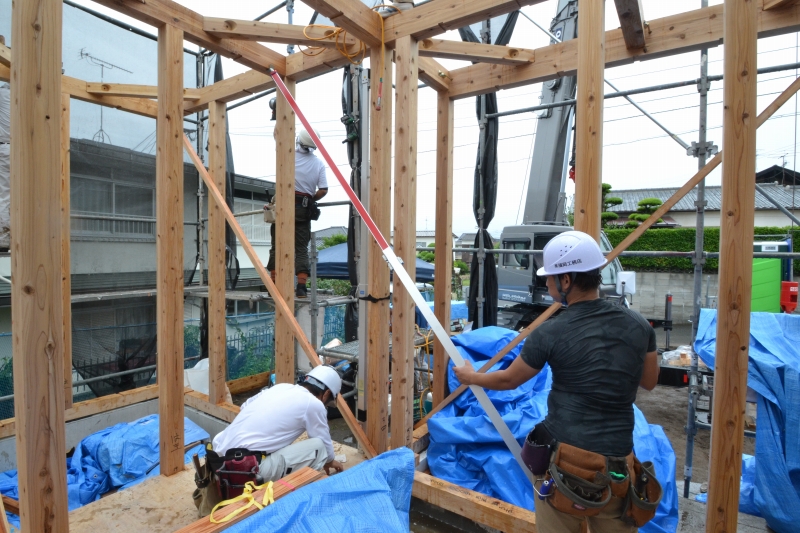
(117, 457)
(458, 311)
(373, 497)
(332, 264)
(774, 373)
(466, 449)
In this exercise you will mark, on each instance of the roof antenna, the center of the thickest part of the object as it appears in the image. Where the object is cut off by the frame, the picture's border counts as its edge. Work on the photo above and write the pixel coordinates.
(101, 136)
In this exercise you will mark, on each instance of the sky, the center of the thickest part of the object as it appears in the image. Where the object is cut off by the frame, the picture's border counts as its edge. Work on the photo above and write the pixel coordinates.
(636, 153)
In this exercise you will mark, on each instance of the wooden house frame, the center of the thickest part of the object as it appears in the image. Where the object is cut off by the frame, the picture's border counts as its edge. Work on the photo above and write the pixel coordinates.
(40, 207)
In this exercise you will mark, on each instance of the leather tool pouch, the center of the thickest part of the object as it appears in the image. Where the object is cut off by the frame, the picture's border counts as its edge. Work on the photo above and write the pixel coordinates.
(269, 213)
(644, 494)
(537, 450)
(233, 470)
(581, 481)
(314, 211)
(206, 495)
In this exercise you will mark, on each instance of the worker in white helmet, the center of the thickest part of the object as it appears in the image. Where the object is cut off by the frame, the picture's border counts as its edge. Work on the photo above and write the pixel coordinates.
(310, 185)
(270, 422)
(5, 164)
(600, 353)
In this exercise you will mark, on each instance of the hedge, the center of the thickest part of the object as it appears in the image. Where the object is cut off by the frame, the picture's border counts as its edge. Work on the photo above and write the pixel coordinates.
(682, 240)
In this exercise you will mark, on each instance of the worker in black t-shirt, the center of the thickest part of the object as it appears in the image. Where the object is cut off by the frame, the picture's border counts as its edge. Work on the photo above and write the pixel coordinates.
(599, 353)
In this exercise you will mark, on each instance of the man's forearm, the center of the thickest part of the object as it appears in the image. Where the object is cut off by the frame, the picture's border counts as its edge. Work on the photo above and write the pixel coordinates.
(320, 193)
(492, 381)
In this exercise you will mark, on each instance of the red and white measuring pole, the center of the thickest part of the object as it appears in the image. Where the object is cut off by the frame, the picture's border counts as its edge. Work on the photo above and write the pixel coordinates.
(405, 279)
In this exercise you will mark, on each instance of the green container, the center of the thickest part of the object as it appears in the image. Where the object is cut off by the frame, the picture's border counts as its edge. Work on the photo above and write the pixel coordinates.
(766, 295)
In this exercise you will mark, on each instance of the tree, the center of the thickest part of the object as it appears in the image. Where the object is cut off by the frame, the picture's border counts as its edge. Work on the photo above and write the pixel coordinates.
(428, 257)
(607, 216)
(646, 208)
(458, 263)
(333, 240)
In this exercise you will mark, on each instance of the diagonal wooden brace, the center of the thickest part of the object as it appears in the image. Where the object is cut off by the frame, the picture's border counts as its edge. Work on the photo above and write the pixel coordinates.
(697, 178)
(280, 303)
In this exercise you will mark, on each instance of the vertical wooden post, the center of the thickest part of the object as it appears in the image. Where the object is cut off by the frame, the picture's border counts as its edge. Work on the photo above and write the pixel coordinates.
(169, 247)
(380, 183)
(66, 282)
(589, 118)
(405, 216)
(735, 263)
(37, 328)
(284, 234)
(444, 240)
(217, 345)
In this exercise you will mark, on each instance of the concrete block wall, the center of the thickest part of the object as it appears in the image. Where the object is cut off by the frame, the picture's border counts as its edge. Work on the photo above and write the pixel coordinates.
(652, 287)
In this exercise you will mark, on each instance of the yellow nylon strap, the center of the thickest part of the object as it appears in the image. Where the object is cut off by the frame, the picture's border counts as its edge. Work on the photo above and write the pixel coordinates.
(247, 494)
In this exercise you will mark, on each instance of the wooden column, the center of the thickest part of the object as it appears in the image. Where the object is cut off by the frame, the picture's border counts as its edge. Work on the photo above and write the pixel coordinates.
(284, 234)
(735, 263)
(217, 345)
(66, 282)
(37, 328)
(380, 183)
(405, 216)
(589, 118)
(444, 240)
(169, 247)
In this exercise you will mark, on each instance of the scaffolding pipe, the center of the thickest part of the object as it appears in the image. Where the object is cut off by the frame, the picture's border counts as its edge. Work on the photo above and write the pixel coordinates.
(632, 253)
(631, 92)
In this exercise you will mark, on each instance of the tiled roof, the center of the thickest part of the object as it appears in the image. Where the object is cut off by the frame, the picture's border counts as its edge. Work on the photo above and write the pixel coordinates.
(631, 198)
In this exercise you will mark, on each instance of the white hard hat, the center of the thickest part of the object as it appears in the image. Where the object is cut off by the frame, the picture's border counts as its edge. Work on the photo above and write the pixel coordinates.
(304, 139)
(571, 251)
(328, 376)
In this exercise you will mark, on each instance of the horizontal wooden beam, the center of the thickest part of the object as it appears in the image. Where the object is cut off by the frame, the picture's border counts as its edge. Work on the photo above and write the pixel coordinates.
(93, 406)
(353, 16)
(5, 55)
(249, 383)
(434, 74)
(631, 20)
(233, 88)
(160, 12)
(667, 36)
(478, 52)
(197, 400)
(778, 4)
(439, 16)
(132, 91)
(272, 32)
(5, 73)
(472, 505)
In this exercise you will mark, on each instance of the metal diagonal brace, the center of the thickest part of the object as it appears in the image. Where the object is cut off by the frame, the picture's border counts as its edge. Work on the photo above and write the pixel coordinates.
(405, 279)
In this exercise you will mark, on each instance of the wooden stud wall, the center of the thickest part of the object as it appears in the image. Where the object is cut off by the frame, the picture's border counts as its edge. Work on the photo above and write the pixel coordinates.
(169, 247)
(38, 338)
(380, 183)
(405, 215)
(735, 263)
(444, 240)
(66, 278)
(284, 234)
(217, 338)
(589, 118)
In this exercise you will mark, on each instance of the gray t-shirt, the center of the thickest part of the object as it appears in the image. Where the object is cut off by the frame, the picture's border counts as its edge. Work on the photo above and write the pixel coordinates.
(596, 350)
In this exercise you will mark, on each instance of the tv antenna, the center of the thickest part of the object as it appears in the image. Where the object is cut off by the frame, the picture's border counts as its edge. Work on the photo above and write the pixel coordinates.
(101, 135)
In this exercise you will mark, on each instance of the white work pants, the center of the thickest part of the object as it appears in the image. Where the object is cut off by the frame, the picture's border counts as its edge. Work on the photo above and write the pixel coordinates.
(310, 452)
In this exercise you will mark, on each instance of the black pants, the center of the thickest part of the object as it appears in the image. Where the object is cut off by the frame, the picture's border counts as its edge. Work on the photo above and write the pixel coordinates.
(302, 235)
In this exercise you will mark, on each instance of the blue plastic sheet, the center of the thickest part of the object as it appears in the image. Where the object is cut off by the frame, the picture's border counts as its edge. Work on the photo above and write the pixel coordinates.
(774, 373)
(466, 449)
(116, 457)
(373, 497)
(747, 487)
(458, 311)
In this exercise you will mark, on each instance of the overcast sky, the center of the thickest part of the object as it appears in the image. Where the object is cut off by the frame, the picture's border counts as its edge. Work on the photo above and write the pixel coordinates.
(636, 153)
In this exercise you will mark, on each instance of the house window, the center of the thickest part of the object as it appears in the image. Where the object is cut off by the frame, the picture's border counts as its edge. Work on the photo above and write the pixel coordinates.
(256, 230)
(106, 208)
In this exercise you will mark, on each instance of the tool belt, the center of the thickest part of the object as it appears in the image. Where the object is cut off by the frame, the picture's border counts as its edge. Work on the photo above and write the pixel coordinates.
(234, 470)
(307, 201)
(584, 482)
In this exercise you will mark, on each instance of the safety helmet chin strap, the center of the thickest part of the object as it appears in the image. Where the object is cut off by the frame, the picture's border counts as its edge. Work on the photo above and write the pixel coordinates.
(560, 290)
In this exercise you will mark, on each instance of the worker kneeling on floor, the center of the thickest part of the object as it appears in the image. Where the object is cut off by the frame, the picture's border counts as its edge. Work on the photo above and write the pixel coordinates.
(599, 353)
(258, 445)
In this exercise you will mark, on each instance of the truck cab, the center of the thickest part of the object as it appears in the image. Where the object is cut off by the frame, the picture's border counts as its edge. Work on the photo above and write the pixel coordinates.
(522, 294)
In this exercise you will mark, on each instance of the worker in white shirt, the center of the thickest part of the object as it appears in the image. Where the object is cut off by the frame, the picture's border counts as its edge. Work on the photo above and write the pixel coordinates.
(270, 421)
(310, 185)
